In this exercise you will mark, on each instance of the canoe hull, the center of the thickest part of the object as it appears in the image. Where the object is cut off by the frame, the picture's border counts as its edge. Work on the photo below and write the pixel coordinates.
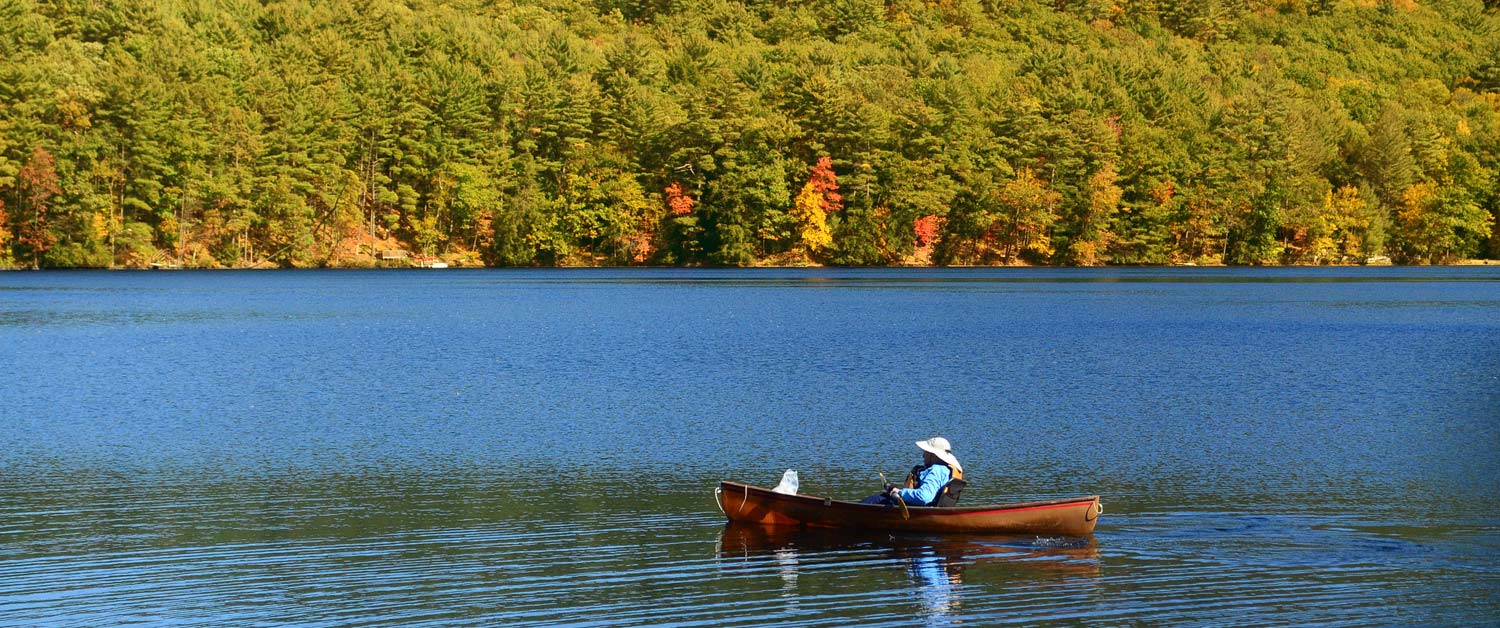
(752, 504)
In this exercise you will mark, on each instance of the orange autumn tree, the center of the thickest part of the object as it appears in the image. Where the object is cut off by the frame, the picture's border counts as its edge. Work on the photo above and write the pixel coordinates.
(4, 235)
(925, 229)
(683, 237)
(827, 184)
(678, 202)
(39, 183)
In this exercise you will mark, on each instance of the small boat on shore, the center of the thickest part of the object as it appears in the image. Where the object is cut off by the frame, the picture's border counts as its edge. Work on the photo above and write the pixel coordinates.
(752, 504)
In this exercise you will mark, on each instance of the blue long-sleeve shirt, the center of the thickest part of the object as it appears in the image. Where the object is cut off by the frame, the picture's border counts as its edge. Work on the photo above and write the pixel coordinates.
(932, 480)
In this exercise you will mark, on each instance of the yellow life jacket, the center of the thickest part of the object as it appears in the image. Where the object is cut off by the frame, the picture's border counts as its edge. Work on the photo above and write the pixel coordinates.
(947, 496)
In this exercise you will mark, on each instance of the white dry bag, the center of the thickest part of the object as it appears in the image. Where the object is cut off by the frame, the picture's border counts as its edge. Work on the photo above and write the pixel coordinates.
(788, 485)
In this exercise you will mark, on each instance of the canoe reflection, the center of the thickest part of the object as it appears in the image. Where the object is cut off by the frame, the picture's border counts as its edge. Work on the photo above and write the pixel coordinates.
(938, 566)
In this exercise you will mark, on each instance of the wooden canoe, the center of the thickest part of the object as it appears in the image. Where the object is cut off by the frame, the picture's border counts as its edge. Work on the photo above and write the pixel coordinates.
(752, 504)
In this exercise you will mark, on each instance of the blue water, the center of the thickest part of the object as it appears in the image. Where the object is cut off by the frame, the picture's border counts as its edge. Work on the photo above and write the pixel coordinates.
(1273, 446)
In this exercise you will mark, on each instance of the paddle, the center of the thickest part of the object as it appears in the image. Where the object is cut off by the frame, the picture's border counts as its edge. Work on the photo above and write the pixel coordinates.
(905, 514)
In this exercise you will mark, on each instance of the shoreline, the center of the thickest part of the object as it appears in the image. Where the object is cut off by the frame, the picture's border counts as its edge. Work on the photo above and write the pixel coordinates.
(270, 268)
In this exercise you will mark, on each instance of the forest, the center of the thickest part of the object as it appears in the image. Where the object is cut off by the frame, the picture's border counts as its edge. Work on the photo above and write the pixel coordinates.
(307, 133)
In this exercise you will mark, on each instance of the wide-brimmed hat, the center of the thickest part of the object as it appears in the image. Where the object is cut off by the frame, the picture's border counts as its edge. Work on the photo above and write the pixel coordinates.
(938, 446)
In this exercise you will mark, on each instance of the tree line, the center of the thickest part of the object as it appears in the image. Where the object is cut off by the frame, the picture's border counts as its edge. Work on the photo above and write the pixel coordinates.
(305, 133)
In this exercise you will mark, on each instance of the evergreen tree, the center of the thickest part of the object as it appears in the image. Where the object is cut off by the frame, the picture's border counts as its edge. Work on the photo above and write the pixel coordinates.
(297, 133)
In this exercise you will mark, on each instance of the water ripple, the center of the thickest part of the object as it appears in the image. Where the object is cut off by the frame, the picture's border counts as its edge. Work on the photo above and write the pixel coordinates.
(537, 448)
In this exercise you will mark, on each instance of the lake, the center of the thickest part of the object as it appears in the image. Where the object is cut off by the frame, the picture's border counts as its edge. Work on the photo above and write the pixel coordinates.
(540, 447)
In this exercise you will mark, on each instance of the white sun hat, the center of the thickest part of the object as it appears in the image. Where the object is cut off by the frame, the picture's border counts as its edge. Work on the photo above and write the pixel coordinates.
(938, 446)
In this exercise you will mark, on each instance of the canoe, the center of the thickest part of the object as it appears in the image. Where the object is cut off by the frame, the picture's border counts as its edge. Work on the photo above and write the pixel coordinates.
(752, 504)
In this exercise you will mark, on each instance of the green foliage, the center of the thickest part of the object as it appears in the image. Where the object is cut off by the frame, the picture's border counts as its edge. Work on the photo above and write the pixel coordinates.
(299, 133)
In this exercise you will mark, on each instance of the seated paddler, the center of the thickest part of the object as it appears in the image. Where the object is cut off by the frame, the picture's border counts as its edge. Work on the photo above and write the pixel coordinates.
(935, 482)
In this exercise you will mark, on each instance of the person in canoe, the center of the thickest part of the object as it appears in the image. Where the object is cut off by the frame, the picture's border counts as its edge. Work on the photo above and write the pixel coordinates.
(935, 482)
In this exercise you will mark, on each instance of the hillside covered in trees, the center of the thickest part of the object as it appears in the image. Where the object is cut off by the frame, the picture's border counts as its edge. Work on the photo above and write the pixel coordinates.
(306, 133)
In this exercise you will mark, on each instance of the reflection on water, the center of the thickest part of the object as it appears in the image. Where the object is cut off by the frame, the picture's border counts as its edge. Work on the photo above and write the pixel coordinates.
(934, 564)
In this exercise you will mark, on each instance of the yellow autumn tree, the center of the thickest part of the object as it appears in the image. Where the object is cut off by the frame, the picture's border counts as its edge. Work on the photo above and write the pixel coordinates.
(1337, 233)
(1093, 225)
(812, 221)
(1421, 232)
(1438, 223)
(1026, 209)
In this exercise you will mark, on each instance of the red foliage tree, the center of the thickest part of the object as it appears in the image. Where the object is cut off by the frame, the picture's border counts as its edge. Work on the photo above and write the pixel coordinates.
(38, 183)
(678, 202)
(827, 184)
(926, 229)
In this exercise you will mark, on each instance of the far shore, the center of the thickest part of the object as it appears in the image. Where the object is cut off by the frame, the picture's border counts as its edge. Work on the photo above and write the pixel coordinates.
(461, 266)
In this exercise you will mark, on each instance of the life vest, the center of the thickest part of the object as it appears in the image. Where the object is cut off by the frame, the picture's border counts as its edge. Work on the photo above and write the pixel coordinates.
(947, 496)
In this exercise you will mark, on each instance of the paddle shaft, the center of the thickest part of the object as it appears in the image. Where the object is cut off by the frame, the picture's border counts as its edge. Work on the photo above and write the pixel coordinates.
(905, 514)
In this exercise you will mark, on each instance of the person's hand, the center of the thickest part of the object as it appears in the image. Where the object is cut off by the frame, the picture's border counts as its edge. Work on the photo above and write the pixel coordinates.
(895, 492)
